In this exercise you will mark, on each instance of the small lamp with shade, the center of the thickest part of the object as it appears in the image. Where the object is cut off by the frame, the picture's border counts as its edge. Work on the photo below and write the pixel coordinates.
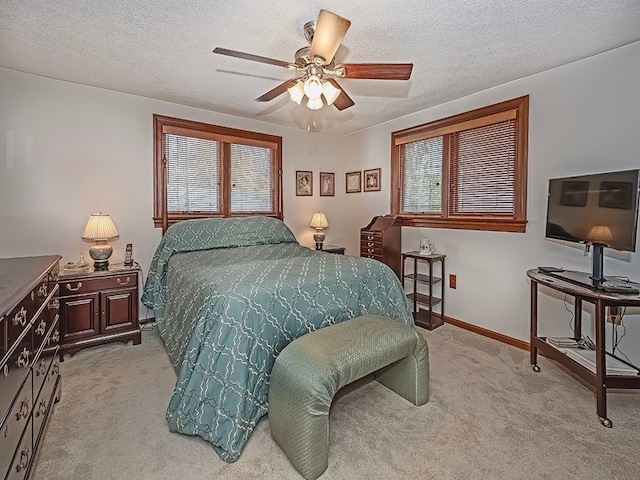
(319, 221)
(100, 229)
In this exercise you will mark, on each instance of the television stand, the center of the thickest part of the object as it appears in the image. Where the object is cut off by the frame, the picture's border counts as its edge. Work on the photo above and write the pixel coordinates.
(601, 299)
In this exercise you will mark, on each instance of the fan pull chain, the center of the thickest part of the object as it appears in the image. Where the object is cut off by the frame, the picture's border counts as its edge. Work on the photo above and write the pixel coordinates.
(311, 123)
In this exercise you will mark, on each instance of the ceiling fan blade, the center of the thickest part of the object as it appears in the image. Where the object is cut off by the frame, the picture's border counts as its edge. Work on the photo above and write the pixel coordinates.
(249, 56)
(343, 101)
(279, 90)
(330, 30)
(376, 71)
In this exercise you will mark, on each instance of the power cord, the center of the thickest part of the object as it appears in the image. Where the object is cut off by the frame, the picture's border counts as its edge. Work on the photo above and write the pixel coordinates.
(568, 310)
(145, 327)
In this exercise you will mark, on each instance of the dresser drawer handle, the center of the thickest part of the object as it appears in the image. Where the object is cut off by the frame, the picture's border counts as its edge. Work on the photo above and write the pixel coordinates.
(71, 289)
(23, 358)
(55, 369)
(42, 327)
(42, 408)
(54, 305)
(42, 291)
(24, 460)
(55, 338)
(371, 250)
(24, 410)
(5, 370)
(369, 237)
(370, 244)
(20, 317)
(42, 368)
(126, 282)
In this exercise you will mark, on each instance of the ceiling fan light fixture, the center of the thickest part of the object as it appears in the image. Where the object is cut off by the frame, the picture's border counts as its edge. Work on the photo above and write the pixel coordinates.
(313, 87)
(330, 92)
(314, 103)
(297, 92)
(330, 30)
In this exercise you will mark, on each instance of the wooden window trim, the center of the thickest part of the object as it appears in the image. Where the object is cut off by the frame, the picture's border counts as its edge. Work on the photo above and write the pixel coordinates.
(517, 108)
(163, 125)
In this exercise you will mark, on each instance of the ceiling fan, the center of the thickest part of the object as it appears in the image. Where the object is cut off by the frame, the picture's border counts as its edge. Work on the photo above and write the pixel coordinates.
(315, 67)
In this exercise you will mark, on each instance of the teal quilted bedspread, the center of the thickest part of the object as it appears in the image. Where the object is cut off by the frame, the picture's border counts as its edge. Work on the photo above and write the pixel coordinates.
(228, 295)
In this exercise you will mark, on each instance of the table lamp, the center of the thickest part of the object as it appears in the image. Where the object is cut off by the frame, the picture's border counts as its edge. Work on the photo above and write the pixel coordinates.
(319, 221)
(100, 228)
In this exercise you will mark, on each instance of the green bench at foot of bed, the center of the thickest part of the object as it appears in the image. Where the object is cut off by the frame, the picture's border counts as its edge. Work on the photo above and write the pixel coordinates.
(311, 369)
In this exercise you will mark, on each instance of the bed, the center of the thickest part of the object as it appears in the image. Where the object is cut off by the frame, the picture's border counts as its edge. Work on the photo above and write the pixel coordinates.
(228, 295)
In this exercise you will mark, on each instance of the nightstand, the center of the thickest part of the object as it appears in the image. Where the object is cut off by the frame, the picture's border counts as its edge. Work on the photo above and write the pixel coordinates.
(98, 307)
(332, 249)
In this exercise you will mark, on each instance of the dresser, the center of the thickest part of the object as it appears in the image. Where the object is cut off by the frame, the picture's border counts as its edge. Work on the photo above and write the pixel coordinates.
(29, 363)
(98, 307)
(381, 240)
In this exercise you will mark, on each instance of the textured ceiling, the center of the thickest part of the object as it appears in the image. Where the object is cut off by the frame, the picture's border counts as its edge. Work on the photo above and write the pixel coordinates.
(163, 48)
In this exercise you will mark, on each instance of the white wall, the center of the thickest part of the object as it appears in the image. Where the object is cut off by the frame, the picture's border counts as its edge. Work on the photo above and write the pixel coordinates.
(68, 150)
(583, 119)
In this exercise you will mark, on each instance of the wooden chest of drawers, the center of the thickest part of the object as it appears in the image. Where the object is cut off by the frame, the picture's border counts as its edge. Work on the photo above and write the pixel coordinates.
(381, 240)
(29, 364)
(98, 307)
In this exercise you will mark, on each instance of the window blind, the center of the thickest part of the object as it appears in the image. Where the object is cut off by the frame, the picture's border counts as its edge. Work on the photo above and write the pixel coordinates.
(422, 176)
(483, 170)
(193, 183)
(251, 179)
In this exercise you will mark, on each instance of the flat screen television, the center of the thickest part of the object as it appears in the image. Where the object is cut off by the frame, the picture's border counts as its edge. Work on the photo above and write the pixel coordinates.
(599, 209)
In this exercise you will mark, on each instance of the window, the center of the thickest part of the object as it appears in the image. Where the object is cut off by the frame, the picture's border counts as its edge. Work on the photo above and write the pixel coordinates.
(468, 171)
(203, 170)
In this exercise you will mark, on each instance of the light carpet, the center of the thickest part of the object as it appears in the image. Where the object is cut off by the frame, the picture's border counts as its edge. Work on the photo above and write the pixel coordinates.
(489, 417)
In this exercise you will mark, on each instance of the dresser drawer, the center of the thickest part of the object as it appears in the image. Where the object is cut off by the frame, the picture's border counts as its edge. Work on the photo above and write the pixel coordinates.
(375, 257)
(370, 250)
(44, 401)
(3, 337)
(43, 360)
(13, 423)
(371, 237)
(86, 285)
(23, 457)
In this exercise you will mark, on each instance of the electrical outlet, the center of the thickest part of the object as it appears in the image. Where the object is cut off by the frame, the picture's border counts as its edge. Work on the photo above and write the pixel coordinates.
(614, 315)
(452, 281)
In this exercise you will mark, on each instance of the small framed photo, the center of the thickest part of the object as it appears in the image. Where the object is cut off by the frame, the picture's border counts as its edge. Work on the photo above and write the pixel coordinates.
(304, 183)
(327, 184)
(372, 180)
(354, 182)
(615, 195)
(574, 194)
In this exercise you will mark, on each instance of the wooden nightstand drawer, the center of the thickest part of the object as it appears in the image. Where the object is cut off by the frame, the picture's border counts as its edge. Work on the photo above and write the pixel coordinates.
(78, 285)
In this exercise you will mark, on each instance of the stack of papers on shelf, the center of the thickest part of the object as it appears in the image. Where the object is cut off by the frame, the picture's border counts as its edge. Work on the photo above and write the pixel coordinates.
(563, 342)
(587, 358)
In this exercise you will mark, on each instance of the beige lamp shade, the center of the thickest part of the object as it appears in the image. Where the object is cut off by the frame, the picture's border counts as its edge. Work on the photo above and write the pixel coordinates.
(99, 227)
(600, 234)
(319, 220)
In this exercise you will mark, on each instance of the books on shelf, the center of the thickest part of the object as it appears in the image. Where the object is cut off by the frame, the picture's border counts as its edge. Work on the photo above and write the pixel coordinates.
(563, 342)
(587, 358)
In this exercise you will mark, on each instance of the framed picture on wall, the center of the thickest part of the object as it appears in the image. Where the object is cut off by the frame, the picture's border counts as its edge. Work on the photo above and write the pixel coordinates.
(327, 184)
(354, 182)
(304, 183)
(372, 180)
